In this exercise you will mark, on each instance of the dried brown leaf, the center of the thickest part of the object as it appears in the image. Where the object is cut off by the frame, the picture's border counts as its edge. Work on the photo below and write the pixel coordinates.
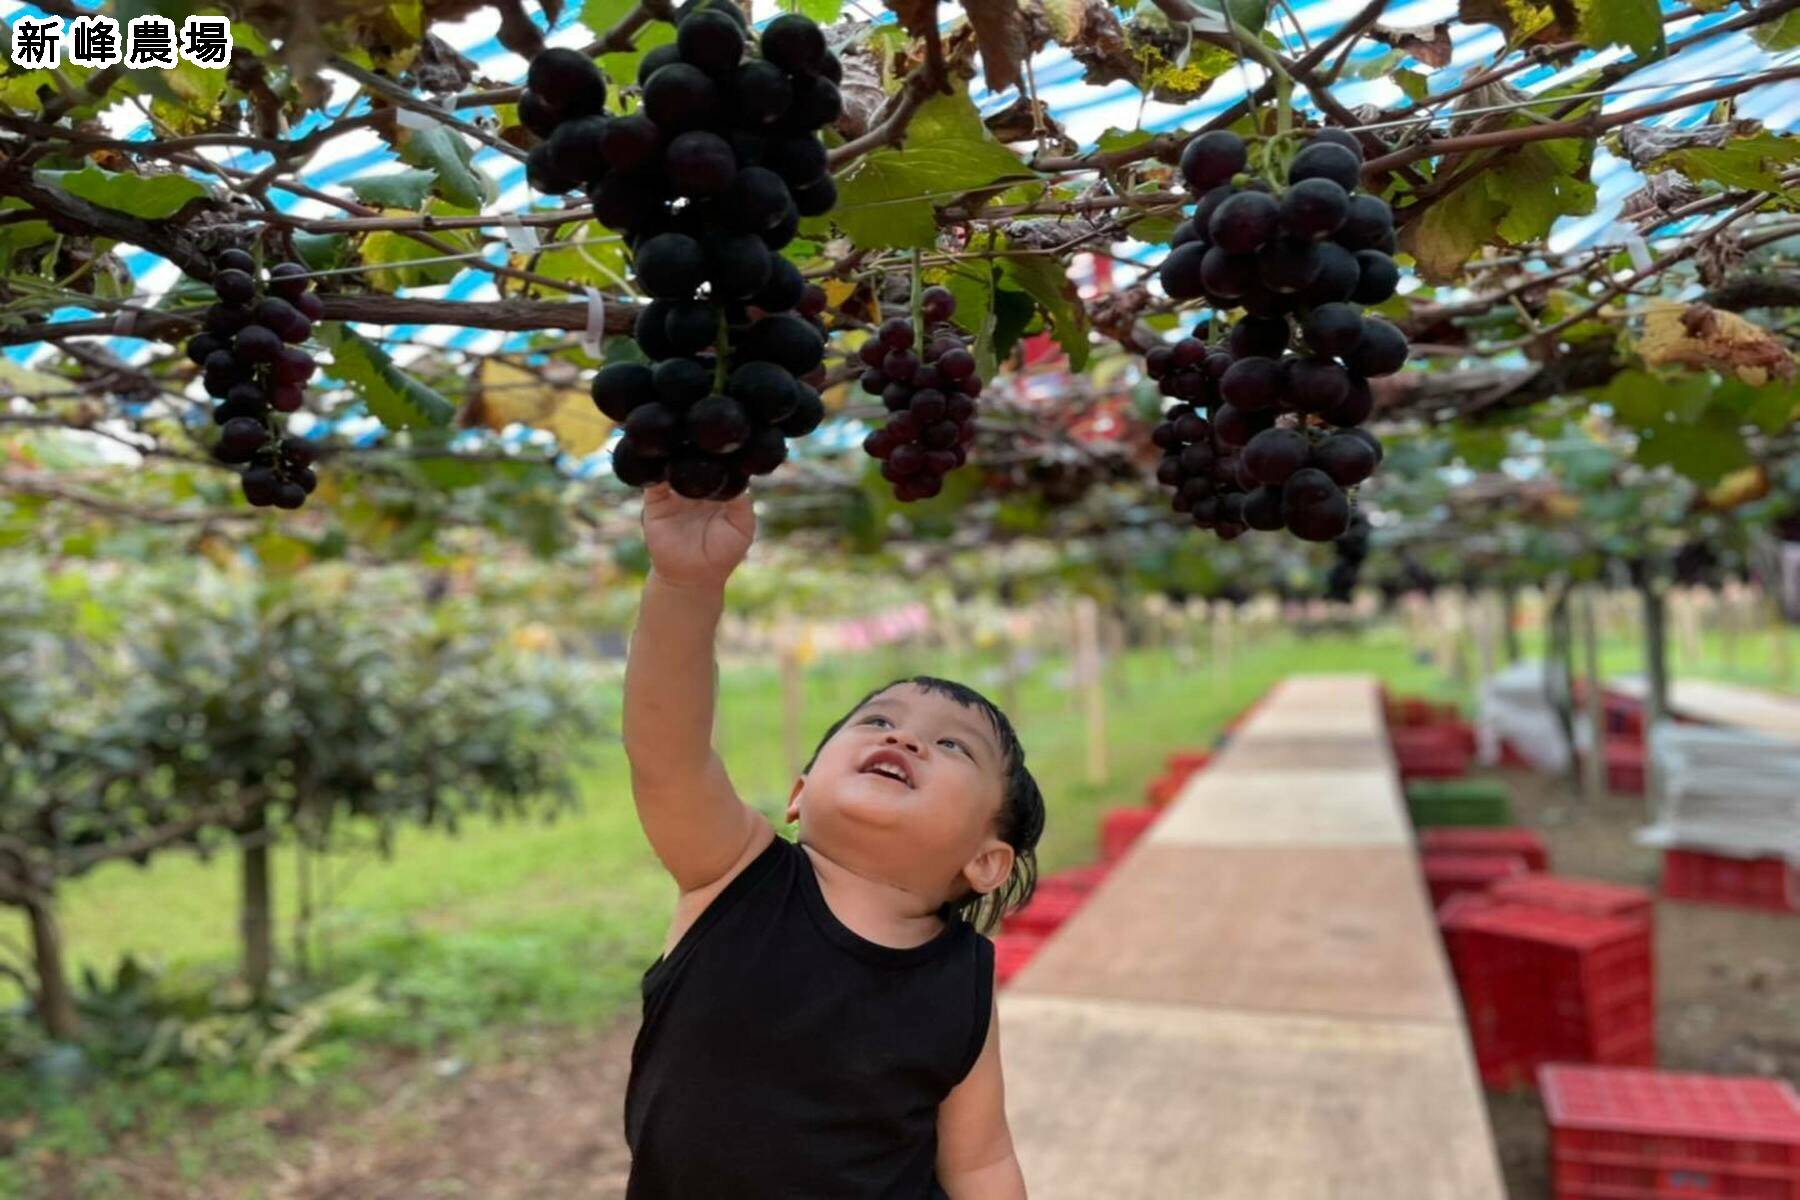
(1698, 335)
(1000, 32)
(916, 16)
(1430, 44)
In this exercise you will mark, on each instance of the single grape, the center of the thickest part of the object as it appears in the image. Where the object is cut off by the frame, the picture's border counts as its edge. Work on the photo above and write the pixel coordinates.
(1313, 208)
(696, 476)
(1337, 137)
(1253, 384)
(1181, 272)
(235, 260)
(679, 97)
(634, 468)
(1382, 349)
(937, 304)
(654, 430)
(699, 163)
(795, 44)
(1377, 278)
(1212, 159)
(1337, 278)
(559, 75)
(288, 280)
(711, 41)
(1324, 160)
(1272, 456)
(670, 266)
(1259, 337)
(717, 424)
(1223, 275)
(1315, 385)
(1289, 266)
(760, 93)
(1244, 222)
(235, 287)
(1263, 509)
(1332, 330)
(620, 387)
(681, 383)
(1347, 459)
(1367, 221)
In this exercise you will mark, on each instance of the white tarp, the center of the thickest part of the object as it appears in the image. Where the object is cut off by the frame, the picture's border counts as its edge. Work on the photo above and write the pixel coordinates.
(1512, 707)
(1725, 790)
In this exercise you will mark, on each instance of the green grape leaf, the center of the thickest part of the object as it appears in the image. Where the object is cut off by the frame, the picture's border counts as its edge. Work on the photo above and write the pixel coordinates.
(823, 11)
(394, 189)
(396, 253)
(1044, 279)
(393, 397)
(886, 199)
(1782, 34)
(1750, 162)
(444, 151)
(1114, 140)
(1634, 23)
(149, 196)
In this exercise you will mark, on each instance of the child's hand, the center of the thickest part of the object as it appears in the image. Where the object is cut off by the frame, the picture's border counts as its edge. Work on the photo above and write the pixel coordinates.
(696, 543)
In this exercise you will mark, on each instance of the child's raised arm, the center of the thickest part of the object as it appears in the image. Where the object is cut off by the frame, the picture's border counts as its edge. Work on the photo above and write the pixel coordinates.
(690, 812)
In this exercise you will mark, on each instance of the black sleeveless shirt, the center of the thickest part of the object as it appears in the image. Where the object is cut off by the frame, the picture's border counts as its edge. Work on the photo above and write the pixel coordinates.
(785, 1057)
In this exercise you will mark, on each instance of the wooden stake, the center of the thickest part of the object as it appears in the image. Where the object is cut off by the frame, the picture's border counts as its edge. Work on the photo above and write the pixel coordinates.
(1781, 652)
(793, 704)
(1087, 659)
(1593, 772)
(1486, 622)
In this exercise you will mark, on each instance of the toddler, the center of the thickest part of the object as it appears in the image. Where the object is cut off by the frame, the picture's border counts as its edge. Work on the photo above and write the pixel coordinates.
(821, 1023)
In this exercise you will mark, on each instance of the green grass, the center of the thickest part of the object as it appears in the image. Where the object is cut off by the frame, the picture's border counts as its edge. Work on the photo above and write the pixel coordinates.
(552, 923)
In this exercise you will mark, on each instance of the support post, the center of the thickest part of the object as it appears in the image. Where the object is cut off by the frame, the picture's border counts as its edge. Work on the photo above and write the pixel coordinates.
(1593, 774)
(1087, 658)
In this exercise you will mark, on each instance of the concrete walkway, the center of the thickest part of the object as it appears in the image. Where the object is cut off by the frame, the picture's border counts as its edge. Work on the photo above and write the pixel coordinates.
(1255, 1004)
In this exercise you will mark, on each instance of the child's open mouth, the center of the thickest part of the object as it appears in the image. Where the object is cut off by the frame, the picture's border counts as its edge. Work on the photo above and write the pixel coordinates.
(889, 764)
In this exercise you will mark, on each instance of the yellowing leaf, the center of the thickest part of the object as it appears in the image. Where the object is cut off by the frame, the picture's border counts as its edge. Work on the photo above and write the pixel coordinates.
(511, 394)
(1739, 487)
(1699, 336)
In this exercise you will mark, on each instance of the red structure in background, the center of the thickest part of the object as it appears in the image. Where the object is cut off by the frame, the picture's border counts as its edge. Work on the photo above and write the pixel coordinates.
(1661, 1135)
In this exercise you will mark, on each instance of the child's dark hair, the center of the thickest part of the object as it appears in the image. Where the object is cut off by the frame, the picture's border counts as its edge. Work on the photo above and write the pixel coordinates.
(1021, 819)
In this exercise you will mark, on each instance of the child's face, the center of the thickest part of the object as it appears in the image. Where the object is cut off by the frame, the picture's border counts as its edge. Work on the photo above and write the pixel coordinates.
(910, 786)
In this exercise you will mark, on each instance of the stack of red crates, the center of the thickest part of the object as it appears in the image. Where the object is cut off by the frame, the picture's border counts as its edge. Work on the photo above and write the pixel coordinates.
(1487, 839)
(1178, 768)
(1542, 985)
(1770, 883)
(1056, 898)
(1448, 874)
(1660, 1135)
(1011, 952)
(1121, 827)
(1430, 752)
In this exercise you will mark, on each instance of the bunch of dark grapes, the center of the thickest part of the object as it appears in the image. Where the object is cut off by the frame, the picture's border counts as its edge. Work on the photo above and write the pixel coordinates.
(1296, 364)
(1240, 459)
(707, 181)
(251, 361)
(929, 394)
(1352, 549)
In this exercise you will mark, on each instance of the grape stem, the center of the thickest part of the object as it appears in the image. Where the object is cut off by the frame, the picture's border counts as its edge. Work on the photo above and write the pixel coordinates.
(722, 349)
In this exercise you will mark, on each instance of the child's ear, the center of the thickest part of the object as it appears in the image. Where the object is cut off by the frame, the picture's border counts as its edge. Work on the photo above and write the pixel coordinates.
(793, 805)
(988, 870)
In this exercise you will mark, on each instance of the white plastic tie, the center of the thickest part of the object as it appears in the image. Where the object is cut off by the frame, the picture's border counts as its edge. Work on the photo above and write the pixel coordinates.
(595, 333)
(124, 321)
(1639, 250)
(524, 238)
(409, 118)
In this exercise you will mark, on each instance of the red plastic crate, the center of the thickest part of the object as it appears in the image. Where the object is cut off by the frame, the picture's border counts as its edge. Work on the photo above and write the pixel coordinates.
(1011, 952)
(1448, 874)
(1120, 827)
(1415, 711)
(1049, 907)
(1430, 752)
(1768, 883)
(1625, 767)
(1186, 762)
(1578, 895)
(1624, 717)
(1082, 879)
(1487, 839)
(1629, 1134)
(1162, 790)
(1542, 985)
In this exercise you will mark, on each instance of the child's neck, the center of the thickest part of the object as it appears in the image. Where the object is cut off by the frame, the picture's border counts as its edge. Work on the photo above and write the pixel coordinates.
(884, 913)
